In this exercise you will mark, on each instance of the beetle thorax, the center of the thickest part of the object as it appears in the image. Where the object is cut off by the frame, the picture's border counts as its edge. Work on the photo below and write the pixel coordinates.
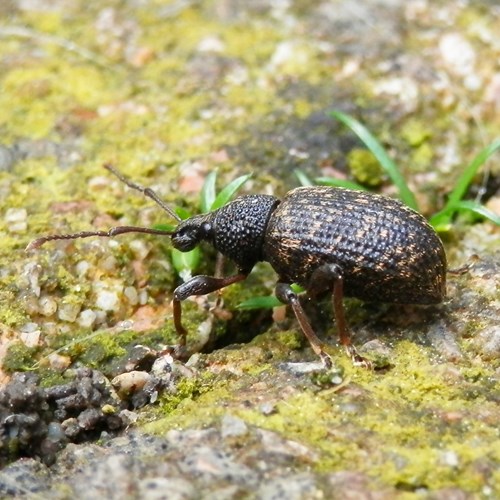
(240, 226)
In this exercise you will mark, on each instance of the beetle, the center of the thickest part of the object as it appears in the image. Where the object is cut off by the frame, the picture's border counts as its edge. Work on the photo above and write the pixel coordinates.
(328, 240)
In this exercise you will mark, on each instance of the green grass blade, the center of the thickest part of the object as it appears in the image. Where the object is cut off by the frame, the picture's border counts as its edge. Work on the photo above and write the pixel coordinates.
(267, 302)
(186, 261)
(303, 178)
(342, 183)
(479, 209)
(379, 152)
(229, 191)
(164, 227)
(466, 178)
(455, 202)
(182, 213)
(207, 196)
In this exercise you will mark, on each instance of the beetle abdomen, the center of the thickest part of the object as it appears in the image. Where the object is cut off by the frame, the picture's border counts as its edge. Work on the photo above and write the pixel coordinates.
(386, 251)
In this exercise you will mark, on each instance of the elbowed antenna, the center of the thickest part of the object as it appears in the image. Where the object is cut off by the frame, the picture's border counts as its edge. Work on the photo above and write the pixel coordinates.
(118, 229)
(114, 231)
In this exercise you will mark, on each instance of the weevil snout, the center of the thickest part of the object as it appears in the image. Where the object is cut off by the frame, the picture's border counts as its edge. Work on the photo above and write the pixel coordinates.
(191, 232)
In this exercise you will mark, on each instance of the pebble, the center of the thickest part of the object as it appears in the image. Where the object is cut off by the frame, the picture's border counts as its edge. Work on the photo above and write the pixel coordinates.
(128, 383)
(30, 338)
(107, 300)
(68, 312)
(131, 294)
(140, 249)
(449, 458)
(458, 54)
(58, 362)
(82, 268)
(47, 306)
(87, 318)
(31, 277)
(16, 220)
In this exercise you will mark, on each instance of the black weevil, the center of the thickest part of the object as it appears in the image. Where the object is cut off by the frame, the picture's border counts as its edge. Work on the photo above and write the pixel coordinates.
(348, 243)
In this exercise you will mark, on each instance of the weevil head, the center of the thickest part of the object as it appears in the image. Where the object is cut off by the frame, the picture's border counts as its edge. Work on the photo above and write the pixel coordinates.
(190, 232)
(236, 230)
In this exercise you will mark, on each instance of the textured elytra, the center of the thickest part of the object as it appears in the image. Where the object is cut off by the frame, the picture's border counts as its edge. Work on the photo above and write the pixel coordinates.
(386, 251)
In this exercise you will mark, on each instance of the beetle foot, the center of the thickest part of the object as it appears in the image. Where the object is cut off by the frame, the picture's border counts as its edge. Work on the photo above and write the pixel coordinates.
(326, 360)
(177, 351)
(357, 359)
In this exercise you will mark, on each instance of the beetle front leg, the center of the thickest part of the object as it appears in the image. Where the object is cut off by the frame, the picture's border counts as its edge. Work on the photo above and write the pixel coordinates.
(321, 280)
(285, 294)
(198, 285)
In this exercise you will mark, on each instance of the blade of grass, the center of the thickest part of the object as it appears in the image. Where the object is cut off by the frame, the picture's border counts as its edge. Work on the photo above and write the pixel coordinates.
(442, 220)
(207, 196)
(267, 302)
(186, 261)
(444, 216)
(479, 209)
(303, 178)
(228, 192)
(182, 213)
(466, 178)
(379, 152)
(343, 183)
(164, 227)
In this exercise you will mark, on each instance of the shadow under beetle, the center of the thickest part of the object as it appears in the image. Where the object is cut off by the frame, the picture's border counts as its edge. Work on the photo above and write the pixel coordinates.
(328, 240)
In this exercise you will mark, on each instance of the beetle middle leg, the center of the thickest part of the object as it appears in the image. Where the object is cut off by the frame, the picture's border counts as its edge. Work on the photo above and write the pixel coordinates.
(321, 280)
(285, 293)
(198, 285)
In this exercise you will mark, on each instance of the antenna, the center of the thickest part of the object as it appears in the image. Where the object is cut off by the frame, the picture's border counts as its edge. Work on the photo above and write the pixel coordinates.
(145, 191)
(118, 229)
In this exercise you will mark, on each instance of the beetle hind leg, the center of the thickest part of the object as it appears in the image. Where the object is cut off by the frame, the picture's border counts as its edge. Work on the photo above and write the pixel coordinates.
(329, 277)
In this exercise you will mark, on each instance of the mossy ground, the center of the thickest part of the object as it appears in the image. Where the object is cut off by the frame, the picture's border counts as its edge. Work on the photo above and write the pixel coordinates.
(170, 91)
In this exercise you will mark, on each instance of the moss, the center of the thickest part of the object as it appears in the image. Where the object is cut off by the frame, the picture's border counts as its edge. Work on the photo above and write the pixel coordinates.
(19, 357)
(365, 167)
(195, 400)
(11, 312)
(415, 133)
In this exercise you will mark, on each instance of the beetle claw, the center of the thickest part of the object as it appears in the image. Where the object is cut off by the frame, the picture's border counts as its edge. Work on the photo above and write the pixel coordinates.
(357, 359)
(326, 360)
(177, 351)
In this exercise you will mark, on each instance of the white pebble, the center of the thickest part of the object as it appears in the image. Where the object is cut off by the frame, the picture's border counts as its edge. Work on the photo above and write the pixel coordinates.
(107, 300)
(132, 296)
(47, 306)
(130, 382)
(108, 263)
(30, 339)
(58, 362)
(449, 458)
(31, 274)
(458, 54)
(16, 219)
(139, 248)
(82, 268)
(68, 312)
(86, 318)
(29, 327)
(143, 297)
